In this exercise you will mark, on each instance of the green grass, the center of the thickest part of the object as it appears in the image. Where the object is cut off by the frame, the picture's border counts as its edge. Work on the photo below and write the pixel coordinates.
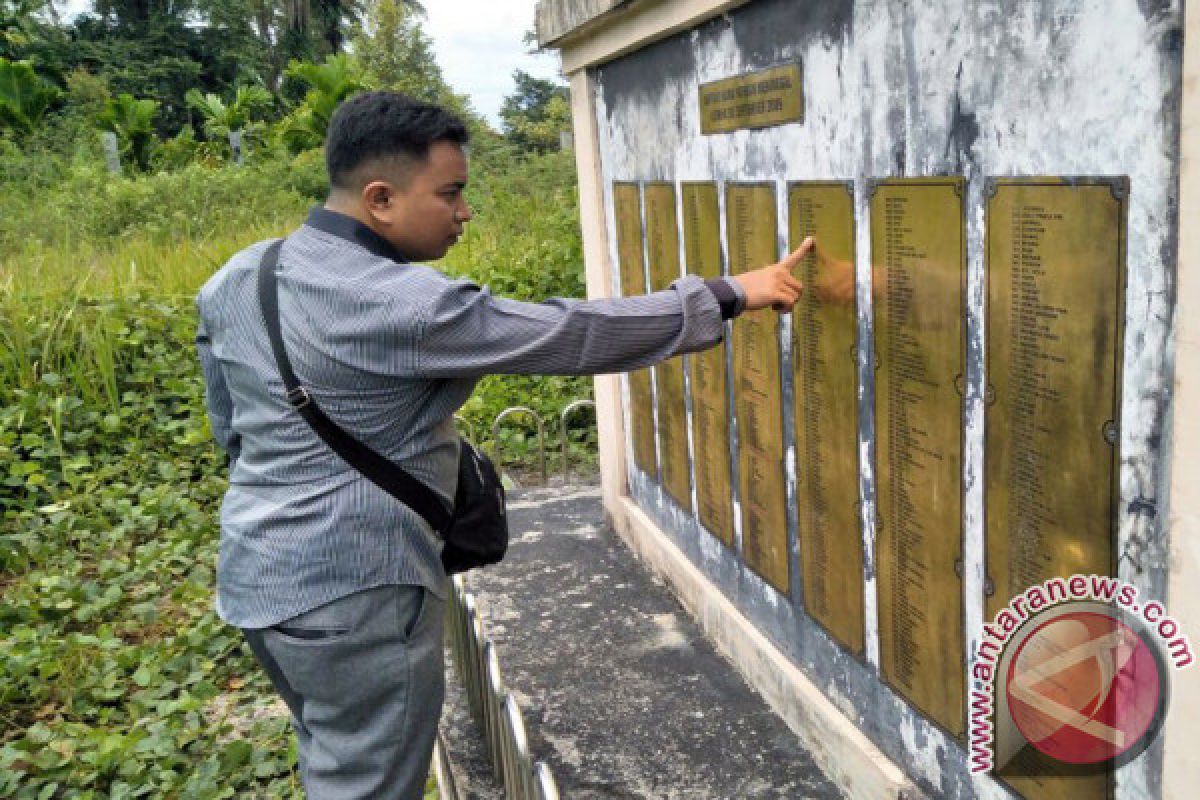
(119, 680)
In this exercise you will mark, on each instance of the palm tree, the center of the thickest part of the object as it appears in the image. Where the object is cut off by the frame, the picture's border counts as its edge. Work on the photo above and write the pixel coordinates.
(330, 15)
(329, 84)
(24, 96)
(132, 121)
(221, 118)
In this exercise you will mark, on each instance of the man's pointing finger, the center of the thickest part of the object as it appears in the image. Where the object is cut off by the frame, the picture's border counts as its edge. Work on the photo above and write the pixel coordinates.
(793, 259)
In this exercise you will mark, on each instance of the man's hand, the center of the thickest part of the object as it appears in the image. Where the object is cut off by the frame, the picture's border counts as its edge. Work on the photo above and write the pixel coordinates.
(774, 286)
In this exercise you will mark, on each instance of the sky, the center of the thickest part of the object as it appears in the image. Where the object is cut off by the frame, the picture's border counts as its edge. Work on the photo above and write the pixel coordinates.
(478, 44)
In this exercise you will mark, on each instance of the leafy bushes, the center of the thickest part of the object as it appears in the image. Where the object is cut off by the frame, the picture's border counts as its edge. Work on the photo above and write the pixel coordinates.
(24, 97)
(89, 205)
(119, 679)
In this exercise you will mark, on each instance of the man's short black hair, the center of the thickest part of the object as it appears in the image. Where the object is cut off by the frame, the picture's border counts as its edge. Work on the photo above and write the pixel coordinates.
(384, 125)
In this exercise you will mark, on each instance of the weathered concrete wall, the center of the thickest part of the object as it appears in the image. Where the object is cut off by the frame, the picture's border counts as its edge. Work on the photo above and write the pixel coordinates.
(1042, 87)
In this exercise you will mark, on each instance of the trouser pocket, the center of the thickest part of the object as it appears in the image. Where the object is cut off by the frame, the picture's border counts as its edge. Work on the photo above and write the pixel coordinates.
(412, 610)
(330, 621)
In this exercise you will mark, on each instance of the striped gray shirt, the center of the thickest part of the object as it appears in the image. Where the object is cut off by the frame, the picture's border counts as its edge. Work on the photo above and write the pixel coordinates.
(389, 350)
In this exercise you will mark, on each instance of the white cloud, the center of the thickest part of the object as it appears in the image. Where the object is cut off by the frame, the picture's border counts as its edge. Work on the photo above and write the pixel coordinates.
(479, 43)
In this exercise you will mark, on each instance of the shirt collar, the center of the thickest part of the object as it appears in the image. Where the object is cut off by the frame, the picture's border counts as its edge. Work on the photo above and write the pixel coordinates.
(350, 229)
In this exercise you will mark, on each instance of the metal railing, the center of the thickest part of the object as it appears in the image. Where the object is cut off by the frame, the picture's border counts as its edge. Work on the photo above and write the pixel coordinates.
(541, 434)
(563, 417)
(495, 709)
(570, 409)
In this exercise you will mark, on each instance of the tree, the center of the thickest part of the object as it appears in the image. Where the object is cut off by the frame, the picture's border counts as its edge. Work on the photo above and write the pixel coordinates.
(26, 28)
(329, 84)
(159, 49)
(394, 53)
(16, 23)
(161, 56)
(132, 120)
(534, 115)
(221, 118)
(24, 97)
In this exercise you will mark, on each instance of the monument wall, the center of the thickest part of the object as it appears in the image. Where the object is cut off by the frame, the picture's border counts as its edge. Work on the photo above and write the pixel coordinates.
(975, 393)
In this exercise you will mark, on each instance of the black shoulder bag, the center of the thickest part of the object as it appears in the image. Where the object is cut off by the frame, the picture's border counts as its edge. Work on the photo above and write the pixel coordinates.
(475, 531)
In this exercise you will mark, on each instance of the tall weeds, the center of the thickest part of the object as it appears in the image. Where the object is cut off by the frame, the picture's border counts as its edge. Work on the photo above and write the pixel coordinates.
(75, 266)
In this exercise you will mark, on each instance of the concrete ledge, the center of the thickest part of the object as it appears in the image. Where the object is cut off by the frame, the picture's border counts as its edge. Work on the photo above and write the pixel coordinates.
(590, 32)
(841, 750)
(555, 19)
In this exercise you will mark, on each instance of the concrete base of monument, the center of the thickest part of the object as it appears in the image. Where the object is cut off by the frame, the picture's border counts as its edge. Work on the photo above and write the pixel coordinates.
(840, 749)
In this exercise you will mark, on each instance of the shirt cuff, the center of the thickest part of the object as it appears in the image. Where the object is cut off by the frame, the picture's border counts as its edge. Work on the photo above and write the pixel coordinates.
(730, 296)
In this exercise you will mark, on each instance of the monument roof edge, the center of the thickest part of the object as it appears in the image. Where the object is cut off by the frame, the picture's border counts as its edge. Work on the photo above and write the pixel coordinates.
(556, 20)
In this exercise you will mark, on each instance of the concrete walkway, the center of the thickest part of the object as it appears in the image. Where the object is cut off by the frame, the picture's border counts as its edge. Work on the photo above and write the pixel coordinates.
(622, 695)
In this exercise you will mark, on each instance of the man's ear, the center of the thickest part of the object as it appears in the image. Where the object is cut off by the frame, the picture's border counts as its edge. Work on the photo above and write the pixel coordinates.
(378, 198)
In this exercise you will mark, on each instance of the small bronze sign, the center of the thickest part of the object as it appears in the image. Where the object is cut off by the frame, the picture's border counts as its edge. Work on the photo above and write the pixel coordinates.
(662, 248)
(752, 231)
(756, 100)
(710, 412)
(825, 376)
(1055, 315)
(918, 247)
(627, 210)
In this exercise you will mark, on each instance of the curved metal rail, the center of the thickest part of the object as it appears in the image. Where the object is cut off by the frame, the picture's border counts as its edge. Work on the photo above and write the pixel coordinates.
(493, 706)
(570, 409)
(541, 432)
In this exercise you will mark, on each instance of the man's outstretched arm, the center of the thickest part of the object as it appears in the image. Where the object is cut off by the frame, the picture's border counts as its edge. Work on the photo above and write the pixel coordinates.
(467, 332)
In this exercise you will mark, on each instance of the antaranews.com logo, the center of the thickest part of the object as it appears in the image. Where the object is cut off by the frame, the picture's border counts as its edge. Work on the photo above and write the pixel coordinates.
(1076, 668)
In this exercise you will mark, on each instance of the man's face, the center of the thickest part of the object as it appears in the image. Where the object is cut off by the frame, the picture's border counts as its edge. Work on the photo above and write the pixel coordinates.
(423, 213)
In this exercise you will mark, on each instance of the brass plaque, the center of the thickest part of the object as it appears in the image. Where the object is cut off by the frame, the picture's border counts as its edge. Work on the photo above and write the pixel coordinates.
(1056, 310)
(917, 246)
(662, 248)
(627, 209)
(1056, 306)
(710, 413)
(756, 100)
(1037, 776)
(825, 377)
(751, 230)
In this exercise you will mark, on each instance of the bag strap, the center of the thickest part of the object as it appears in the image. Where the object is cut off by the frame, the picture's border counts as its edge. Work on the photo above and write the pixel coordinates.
(387, 475)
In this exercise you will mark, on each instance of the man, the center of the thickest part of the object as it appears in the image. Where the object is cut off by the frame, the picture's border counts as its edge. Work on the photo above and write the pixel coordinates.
(337, 586)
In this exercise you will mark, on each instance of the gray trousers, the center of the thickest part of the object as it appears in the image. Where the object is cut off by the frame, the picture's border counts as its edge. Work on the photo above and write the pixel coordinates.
(363, 679)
